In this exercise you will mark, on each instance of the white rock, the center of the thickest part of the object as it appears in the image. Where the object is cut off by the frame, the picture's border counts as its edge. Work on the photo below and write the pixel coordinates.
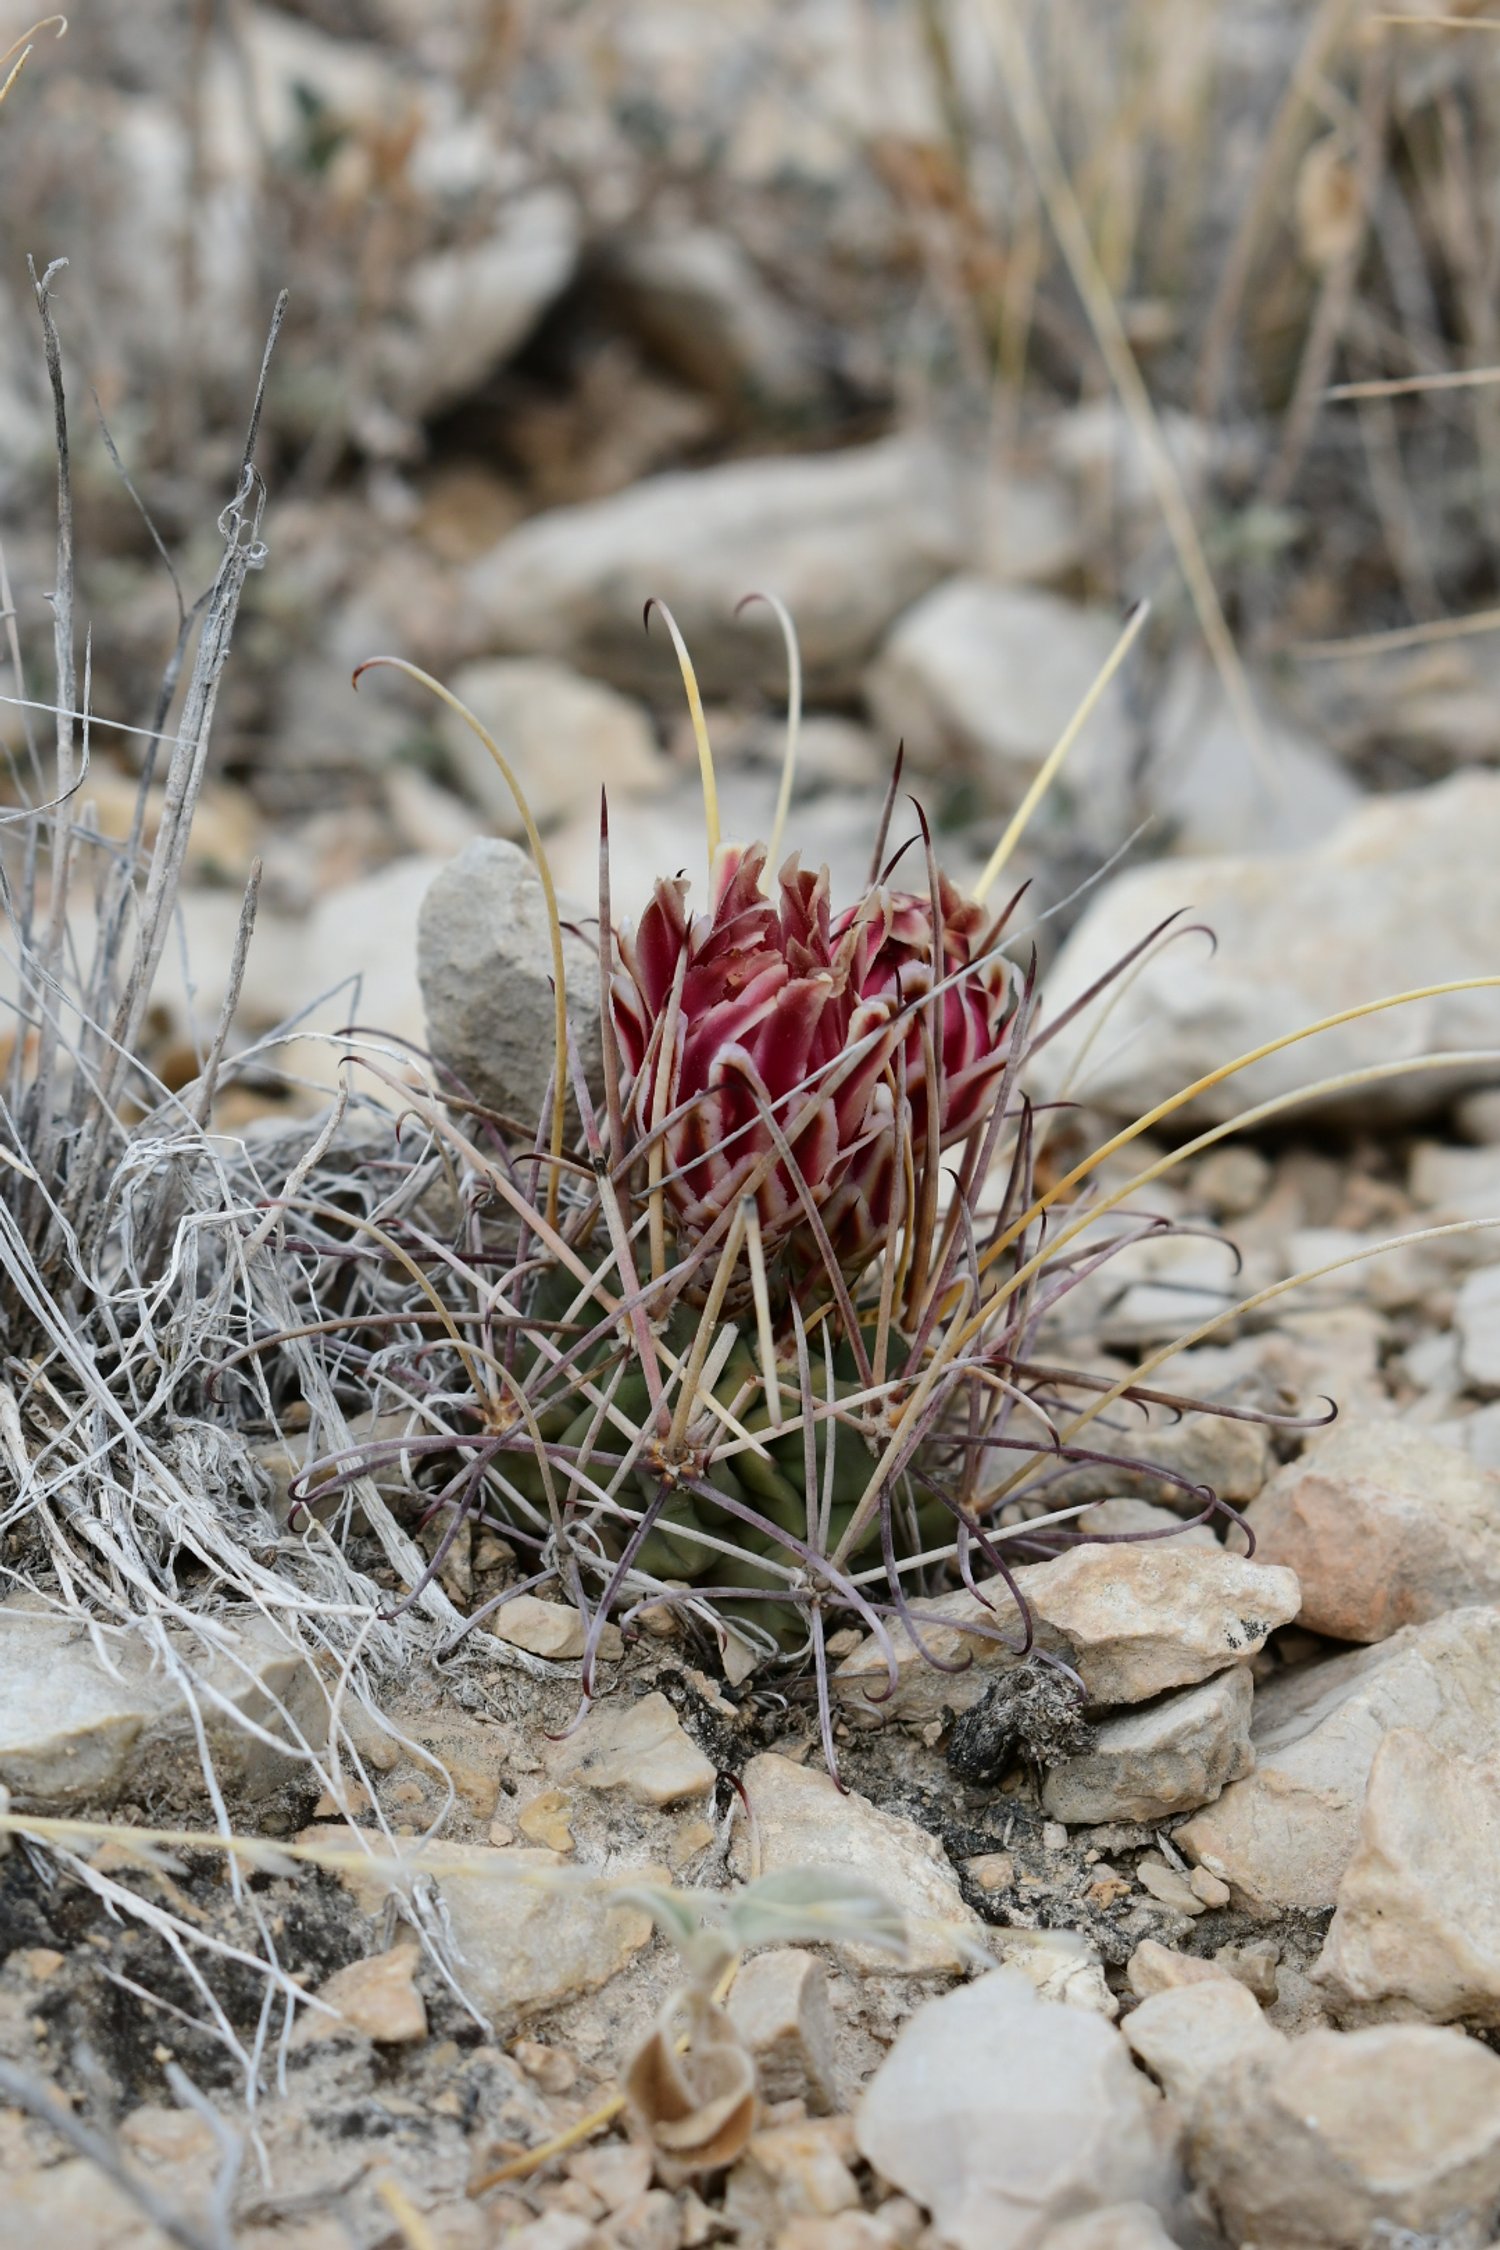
(1002, 2113)
(1417, 1930)
(377, 1996)
(1099, 446)
(1133, 1620)
(1283, 1837)
(1059, 1965)
(1161, 1758)
(484, 960)
(1458, 1183)
(704, 308)
(1189, 2034)
(1478, 1322)
(1030, 531)
(1123, 1517)
(525, 1934)
(1397, 897)
(1477, 1116)
(640, 1748)
(1122, 2226)
(362, 940)
(779, 2006)
(551, 1629)
(572, 583)
(1217, 793)
(1384, 1527)
(468, 308)
(1337, 2140)
(74, 1731)
(802, 1820)
(564, 737)
(988, 677)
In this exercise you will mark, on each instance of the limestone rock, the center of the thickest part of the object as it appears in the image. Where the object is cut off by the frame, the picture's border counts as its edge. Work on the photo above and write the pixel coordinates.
(1417, 1930)
(467, 308)
(1203, 780)
(1190, 2033)
(1133, 1620)
(1161, 1758)
(74, 1733)
(1123, 1515)
(989, 676)
(1384, 1527)
(526, 1933)
(1154, 1968)
(519, 1950)
(1059, 1964)
(484, 958)
(377, 1996)
(1283, 1837)
(779, 2006)
(550, 1629)
(571, 583)
(640, 1748)
(1338, 2140)
(803, 1821)
(564, 737)
(1477, 1319)
(1122, 2226)
(1399, 896)
(704, 308)
(1001, 2113)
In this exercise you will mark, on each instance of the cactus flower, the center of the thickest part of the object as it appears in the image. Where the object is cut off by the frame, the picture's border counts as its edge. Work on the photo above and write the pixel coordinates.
(761, 1009)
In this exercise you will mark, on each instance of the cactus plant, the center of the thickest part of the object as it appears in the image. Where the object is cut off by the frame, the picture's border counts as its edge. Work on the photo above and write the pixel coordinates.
(760, 1343)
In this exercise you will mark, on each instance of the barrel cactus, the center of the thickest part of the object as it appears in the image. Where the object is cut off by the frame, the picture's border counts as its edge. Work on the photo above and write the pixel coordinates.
(757, 1344)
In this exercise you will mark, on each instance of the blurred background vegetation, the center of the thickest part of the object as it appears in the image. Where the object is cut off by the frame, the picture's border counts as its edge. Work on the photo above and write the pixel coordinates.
(1016, 313)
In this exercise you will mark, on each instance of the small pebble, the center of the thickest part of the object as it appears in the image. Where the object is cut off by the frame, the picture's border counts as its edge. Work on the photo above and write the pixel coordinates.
(1209, 1887)
(551, 2068)
(992, 1871)
(1164, 1883)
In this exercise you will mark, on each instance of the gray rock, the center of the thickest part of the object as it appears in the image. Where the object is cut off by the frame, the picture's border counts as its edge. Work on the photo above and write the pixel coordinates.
(1384, 1526)
(1163, 1758)
(1417, 1930)
(81, 1727)
(1283, 1837)
(565, 739)
(779, 2006)
(703, 307)
(1123, 1517)
(521, 1946)
(1339, 2140)
(1213, 790)
(1030, 533)
(847, 541)
(1477, 1319)
(640, 1748)
(1196, 2030)
(988, 677)
(469, 307)
(1122, 2226)
(484, 961)
(803, 1820)
(1003, 2113)
(1133, 1621)
(1401, 895)
(1458, 1183)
